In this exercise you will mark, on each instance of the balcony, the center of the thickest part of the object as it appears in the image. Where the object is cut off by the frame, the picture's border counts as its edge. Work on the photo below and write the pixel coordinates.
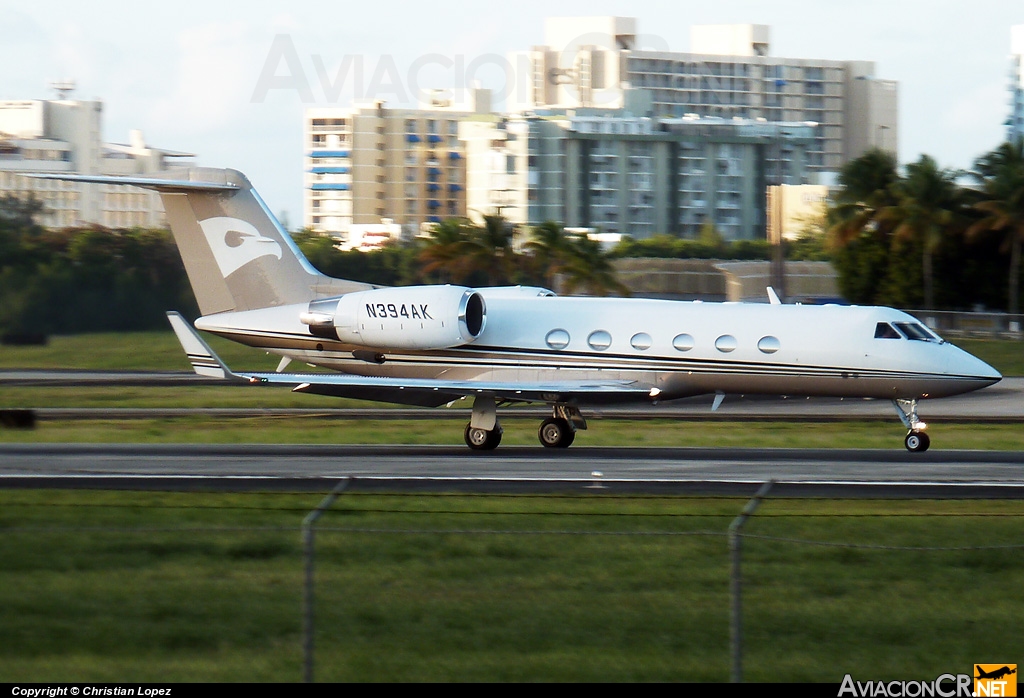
(328, 153)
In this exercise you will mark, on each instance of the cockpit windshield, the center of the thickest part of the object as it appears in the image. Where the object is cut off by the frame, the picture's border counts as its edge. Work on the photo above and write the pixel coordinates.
(884, 330)
(917, 331)
(909, 330)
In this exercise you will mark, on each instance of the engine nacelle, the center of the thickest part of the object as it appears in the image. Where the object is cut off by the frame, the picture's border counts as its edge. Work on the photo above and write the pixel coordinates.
(406, 317)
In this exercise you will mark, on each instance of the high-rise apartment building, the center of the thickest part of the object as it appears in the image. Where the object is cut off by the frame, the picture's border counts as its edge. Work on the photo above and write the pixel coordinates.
(1015, 123)
(621, 173)
(65, 135)
(729, 72)
(370, 162)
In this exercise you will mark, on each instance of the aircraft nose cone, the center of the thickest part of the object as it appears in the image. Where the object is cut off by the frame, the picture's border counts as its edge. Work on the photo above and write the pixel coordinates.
(965, 364)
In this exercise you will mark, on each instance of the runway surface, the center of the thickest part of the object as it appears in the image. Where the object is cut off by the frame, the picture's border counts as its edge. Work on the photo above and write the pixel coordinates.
(806, 471)
(833, 472)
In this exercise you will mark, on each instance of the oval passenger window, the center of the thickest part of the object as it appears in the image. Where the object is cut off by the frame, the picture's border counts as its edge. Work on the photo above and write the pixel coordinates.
(557, 339)
(599, 340)
(683, 342)
(725, 343)
(641, 341)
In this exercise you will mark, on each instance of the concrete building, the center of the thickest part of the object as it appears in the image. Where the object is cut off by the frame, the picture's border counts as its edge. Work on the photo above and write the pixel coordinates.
(1015, 123)
(370, 162)
(65, 135)
(619, 173)
(729, 72)
(794, 210)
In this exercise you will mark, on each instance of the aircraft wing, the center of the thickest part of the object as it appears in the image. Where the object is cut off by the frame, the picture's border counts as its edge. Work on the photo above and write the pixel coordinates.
(405, 391)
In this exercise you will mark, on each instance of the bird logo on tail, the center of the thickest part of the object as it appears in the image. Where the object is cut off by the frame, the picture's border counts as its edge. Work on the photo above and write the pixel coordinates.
(235, 243)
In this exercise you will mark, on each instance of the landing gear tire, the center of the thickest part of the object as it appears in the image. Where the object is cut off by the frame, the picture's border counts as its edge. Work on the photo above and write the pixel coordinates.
(481, 439)
(917, 442)
(556, 432)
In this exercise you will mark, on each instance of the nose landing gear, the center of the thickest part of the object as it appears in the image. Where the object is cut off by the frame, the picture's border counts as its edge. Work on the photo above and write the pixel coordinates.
(916, 441)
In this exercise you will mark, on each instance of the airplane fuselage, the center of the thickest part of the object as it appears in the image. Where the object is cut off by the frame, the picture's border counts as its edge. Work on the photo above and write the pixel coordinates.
(678, 348)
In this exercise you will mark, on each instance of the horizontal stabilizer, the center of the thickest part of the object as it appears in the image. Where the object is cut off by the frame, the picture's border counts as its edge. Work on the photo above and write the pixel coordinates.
(155, 183)
(204, 361)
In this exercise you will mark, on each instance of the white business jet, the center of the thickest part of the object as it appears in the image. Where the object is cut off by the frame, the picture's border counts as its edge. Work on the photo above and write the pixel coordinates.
(431, 345)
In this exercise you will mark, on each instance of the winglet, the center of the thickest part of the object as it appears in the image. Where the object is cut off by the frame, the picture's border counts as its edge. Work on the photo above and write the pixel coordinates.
(204, 361)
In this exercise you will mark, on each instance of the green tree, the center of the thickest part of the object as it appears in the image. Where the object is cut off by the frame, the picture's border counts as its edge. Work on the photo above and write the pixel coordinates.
(860, 225)
(1001, 174)
(461, 252)
(587, 268)
(548, 249)
(446, 251)
(928, 204)
(490, 251)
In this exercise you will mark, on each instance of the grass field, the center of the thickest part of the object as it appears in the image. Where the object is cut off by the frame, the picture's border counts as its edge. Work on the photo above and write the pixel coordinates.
(129, 351)
(143, 586)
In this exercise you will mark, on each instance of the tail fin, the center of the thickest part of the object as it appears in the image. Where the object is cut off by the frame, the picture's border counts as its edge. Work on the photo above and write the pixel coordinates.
(236, 254)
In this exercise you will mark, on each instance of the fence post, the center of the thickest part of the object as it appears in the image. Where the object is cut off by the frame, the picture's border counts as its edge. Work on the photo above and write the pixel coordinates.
(307, 599)
(736, 608)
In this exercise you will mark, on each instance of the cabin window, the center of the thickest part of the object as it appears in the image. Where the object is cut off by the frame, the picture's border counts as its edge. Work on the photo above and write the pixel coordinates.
(683, 342)
(915, 331)
(769, 345)
(884, 330)
(641, 341)
(599, 340)
(557, 339)
(726, 343)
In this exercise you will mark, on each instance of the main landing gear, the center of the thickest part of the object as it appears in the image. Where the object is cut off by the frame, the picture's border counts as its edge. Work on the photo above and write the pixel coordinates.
(483, 439)
(483, 432)
(917, 440)
(559, 430)
(555, 432)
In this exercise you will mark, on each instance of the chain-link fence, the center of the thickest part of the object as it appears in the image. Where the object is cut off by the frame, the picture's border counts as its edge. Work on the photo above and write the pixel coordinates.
(577, 586)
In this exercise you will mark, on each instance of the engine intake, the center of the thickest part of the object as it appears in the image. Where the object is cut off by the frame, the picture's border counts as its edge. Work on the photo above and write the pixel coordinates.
(408, 317)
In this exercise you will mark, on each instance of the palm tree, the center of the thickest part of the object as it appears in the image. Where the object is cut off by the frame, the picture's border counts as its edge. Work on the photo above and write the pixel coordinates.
(466, 253)
(549, 250)
(859, 230)
(868, 190)
(1001, 174)
(928, 202)
(490, 250)
(446, 250)
(587, 268)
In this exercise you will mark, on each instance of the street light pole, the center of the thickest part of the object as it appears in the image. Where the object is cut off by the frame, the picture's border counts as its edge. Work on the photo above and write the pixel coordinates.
(775, 218)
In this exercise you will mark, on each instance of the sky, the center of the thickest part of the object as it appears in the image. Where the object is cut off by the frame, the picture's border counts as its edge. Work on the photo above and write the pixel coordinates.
(214, 78)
